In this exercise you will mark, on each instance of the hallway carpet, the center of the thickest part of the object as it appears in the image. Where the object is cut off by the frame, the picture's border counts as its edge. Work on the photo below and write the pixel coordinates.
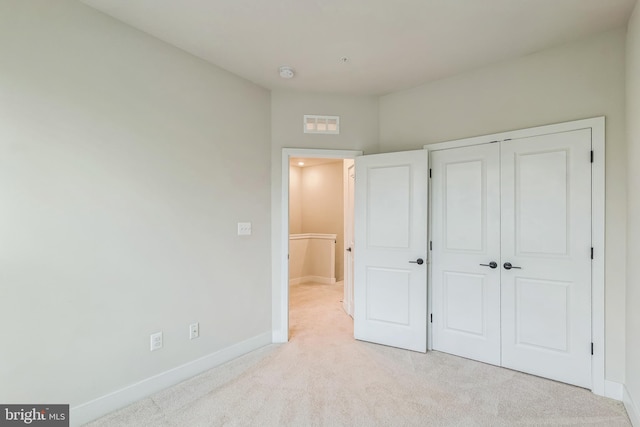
(323, 377)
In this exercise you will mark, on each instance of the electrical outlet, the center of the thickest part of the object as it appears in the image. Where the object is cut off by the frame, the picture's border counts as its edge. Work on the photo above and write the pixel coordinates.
(156, 341)
(244, 229)
(194, 330)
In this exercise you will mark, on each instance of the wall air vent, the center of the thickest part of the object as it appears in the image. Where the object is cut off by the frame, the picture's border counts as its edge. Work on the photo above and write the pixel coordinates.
(322, 124)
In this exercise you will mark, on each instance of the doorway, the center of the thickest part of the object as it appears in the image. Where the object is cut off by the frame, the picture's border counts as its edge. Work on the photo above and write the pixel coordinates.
(291, 223)
(317, 238)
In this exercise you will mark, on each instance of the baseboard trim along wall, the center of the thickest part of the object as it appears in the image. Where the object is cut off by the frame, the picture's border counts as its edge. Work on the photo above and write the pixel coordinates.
(613, 390)
(631, 407)
(314, 279)
(96, 408)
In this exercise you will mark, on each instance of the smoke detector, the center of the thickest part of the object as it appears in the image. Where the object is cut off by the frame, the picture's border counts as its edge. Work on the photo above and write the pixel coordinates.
(287, 72)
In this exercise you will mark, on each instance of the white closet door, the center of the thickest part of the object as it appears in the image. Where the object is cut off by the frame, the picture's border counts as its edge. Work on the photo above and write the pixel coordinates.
(465, 189)
(546, 236)
(390, 289)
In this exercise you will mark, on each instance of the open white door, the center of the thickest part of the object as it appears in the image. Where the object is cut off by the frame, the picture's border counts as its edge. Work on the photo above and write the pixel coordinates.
(390, 287)
(349, 200)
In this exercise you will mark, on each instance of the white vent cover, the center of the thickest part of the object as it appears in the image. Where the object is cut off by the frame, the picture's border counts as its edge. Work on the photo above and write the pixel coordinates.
(322, 124)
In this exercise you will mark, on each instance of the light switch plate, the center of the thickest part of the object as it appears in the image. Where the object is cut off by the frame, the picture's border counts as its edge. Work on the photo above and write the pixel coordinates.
(244, 229)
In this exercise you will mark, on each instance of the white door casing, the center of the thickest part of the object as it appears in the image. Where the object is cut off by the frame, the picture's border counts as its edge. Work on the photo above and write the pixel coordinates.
(390, 288)
(546, 231)
(465, 200)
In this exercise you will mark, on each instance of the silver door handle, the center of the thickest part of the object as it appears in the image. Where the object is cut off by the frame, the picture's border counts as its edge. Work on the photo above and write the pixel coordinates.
(419, 261)
(508, 266)
(492, 264)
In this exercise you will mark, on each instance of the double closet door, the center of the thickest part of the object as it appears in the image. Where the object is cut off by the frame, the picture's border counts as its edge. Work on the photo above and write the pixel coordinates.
(511, 255)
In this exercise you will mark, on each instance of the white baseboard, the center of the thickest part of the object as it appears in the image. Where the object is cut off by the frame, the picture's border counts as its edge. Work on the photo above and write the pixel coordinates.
(613, 390)
(279, 336)
(96, 408)
(315, 279)
(631, 407)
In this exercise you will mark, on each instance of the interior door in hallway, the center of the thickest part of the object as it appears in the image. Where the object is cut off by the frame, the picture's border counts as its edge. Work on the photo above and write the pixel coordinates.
(390, 289)
(546, 238)
(465, 191)
(349, 242)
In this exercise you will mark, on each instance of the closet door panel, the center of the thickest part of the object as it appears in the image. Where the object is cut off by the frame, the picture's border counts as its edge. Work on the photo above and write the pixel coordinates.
(465, 188)
(546, 237)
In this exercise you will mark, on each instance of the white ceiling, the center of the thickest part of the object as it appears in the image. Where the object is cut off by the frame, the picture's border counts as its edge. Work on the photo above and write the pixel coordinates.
(391, 44)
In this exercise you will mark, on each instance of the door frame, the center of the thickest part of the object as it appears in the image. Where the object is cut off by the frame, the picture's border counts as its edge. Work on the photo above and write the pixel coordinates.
(597, 126)
(280, 298)
(349, 213)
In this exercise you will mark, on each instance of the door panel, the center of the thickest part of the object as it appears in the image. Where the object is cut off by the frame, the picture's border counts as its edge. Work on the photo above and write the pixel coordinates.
(464, 206)
(388, 295)
(542, 329)
(546, 231)
(541, 186)
(388, 206)
(465, 189)
(390, 288)
(463, 308)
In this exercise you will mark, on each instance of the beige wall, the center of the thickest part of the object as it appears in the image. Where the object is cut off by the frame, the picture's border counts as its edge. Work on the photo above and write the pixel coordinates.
(312, 258)
(124, 166)
(322, 204)
(358, 131)
(295, 200)
(574, 81)
(633, 192)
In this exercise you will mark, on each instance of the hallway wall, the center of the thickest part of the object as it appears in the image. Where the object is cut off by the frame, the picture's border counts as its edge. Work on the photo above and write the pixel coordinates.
(295, 201)
(316, 198)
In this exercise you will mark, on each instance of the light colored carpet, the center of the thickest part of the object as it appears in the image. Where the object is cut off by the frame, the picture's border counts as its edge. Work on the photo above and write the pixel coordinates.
(323, 377)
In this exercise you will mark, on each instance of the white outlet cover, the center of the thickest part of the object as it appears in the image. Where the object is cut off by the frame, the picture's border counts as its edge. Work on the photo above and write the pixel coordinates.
(194, 330)
(244, 229)
(156, 341)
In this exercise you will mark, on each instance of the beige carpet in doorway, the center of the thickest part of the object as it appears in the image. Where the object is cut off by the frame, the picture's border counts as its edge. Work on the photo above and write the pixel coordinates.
(323, 377)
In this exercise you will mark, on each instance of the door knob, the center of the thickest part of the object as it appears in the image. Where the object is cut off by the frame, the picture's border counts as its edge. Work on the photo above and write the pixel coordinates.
(348, 249)
(492, 264)
(508, 266)
(419, 261)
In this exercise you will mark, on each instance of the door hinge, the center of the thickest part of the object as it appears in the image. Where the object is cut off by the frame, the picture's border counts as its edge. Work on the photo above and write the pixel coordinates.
(591, 156)
(591, 253)
(430, 245)
(431, 317)
(592, 349)
(429, 172)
